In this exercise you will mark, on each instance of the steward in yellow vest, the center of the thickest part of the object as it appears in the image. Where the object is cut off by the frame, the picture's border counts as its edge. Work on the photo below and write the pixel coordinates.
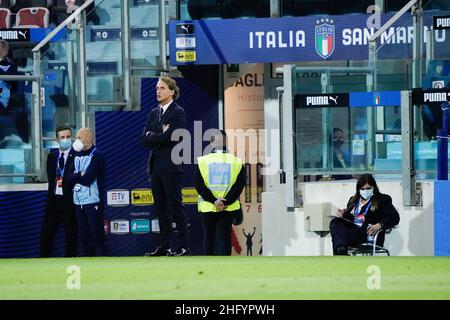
(219, 180)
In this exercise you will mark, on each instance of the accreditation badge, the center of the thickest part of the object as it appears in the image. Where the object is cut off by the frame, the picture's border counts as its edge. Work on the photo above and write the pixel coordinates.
(59, 182)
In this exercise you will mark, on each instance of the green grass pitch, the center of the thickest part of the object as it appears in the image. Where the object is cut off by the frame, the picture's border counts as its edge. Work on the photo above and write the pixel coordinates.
(203, 278)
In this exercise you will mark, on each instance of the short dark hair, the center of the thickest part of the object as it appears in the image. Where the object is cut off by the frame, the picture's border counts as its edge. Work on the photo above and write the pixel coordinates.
(172, 84)
(62, 128)
(336, 130)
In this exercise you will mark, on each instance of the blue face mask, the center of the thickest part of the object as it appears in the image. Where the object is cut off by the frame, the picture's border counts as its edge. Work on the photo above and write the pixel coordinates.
(366, 194)
(65, 144)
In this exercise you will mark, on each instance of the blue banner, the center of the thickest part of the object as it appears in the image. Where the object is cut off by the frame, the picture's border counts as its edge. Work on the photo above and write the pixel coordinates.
(441, 218)
(93, 68)
(313, 38)
(352, 99)
(31, 34)
(369, 99)
(114, 34)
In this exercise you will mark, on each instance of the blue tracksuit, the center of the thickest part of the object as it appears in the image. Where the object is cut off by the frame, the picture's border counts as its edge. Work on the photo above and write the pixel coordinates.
(88, 199)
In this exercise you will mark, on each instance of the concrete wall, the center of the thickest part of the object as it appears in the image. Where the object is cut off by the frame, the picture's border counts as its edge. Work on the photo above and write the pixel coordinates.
(284, 232)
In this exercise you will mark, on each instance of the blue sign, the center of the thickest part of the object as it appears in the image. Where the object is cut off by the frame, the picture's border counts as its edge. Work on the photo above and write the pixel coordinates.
(313, 38)
(144, 33)
(105, 34)
(31, 34)
(114, 34)
(38, 34)
(366, 99)
(93, 68)
(352, 99)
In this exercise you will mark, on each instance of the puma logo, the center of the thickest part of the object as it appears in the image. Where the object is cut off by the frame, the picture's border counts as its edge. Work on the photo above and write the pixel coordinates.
(23, 34)
(185, 27)
(334, 99)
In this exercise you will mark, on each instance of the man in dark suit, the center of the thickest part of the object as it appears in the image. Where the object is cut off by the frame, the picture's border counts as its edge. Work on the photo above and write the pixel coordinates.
(59, 207)
(341, 159)
(166, 175)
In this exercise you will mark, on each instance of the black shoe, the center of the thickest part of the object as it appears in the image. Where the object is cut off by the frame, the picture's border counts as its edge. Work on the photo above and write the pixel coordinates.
(159, 252)
(182, 252)
(341, 251)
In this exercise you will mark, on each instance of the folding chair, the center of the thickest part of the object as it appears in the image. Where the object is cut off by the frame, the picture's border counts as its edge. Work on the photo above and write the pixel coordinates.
(370, 249)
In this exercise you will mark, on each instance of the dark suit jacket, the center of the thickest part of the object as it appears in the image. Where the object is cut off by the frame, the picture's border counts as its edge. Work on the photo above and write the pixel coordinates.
(386, 214)
(52, 160)
(159, 142)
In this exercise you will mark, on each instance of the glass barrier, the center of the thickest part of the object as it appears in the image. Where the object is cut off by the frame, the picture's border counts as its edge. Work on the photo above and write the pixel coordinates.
(104, 52)
(15, 134)
(145, 36)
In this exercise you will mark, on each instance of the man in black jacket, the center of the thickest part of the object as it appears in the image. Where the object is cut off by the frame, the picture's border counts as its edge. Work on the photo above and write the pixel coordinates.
(166, 175)
(59, 207)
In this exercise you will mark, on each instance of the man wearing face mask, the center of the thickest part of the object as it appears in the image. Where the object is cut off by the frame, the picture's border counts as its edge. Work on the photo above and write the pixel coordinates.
(341, 159)
(368, 211)
(87, 175)
(59, 206)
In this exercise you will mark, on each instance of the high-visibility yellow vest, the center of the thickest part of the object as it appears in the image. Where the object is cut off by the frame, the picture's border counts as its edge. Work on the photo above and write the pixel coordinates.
(219, 172)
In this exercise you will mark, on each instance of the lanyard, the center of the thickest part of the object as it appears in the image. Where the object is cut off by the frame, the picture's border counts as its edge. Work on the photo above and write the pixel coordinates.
(85, 159)
(367, 207)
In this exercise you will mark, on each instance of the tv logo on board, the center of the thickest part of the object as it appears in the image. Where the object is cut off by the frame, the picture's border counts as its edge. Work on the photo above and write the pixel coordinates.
(118, 198)
(325, 37)
(185, 42)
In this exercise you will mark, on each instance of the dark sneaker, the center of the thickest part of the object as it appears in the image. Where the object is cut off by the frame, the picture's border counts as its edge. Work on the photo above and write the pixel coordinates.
(159, 252)
(182, 252)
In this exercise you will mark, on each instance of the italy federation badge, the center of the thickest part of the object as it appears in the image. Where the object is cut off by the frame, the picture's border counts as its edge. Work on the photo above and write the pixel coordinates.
(325, 38)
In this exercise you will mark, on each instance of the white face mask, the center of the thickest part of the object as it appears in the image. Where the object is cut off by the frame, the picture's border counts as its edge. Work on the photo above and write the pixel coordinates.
(366, 194)
(78, 145)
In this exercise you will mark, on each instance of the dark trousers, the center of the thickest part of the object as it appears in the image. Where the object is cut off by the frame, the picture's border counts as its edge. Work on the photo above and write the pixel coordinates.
(58, 212)
(91, 230)
(217, 233)
(169, 208)
(344, 234)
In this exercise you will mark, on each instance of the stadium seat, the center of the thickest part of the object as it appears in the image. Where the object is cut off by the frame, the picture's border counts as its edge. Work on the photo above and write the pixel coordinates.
(371, 249)
(35, 17)
(5, 18)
